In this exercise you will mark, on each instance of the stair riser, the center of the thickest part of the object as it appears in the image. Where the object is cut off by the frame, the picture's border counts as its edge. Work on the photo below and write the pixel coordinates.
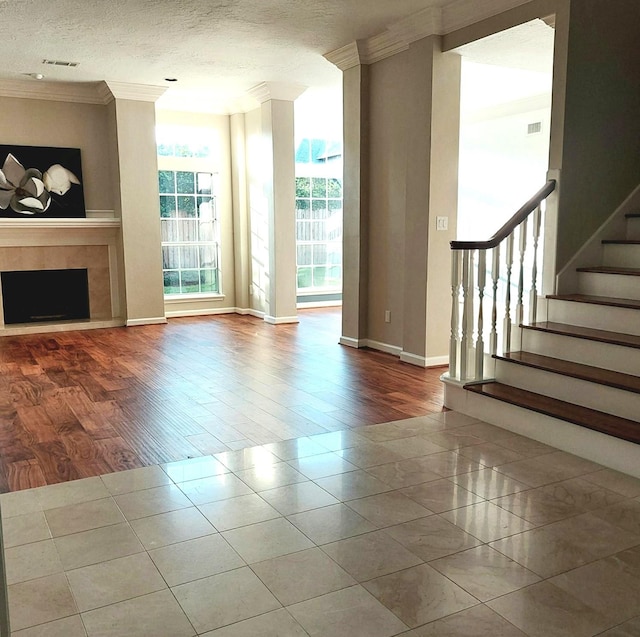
(572, 390)
(578, 350)
(633, 229)
(600, 317)
(621, 256)
(607, 450)
(620, 286)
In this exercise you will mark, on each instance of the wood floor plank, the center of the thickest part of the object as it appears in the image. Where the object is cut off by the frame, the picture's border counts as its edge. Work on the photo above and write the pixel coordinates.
(77, 404)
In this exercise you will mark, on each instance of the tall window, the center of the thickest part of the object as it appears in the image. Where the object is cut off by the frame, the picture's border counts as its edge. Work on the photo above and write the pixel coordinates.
(319, 216)
(189, 232)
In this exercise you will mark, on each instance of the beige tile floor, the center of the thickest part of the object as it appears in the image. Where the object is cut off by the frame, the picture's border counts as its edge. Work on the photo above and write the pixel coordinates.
(438, 526)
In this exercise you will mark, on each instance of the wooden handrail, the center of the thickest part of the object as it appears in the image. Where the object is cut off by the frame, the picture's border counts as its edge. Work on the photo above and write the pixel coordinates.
(511, 225)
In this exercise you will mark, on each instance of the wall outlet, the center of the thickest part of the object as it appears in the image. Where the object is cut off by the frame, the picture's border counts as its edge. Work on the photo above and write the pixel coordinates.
(387, 316)
(442, 223)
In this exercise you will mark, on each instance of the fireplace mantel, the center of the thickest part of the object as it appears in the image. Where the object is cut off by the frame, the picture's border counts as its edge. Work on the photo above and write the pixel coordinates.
(49, 232)
(91, 242)
(65, 224)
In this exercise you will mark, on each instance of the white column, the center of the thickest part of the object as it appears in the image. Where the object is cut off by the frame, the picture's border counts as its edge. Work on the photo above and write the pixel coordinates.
(355, 225)
(137, 199)
(278, 157)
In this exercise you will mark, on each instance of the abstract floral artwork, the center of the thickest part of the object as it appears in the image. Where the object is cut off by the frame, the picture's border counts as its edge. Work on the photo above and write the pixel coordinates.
(40, 182)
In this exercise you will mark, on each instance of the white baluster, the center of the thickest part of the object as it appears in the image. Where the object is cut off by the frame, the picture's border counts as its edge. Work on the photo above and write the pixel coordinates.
(466, 311)
(523, 248)
(495, 277)
(482, 277)
(506, 342)
(533, 299)
(454, 340)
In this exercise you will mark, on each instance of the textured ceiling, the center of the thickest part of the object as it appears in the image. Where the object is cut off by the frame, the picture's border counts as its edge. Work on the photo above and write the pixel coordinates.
(217, 49)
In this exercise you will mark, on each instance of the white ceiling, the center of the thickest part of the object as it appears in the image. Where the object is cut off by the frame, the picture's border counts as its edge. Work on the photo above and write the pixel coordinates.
(217, 49)
(515, 65)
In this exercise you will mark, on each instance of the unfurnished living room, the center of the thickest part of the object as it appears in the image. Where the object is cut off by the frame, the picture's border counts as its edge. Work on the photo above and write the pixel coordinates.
(319, 319)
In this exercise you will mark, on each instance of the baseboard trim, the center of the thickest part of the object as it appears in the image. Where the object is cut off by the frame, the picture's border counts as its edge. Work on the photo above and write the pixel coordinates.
(350, 342)
(185, 313)
(421, 361)
(382, 347)
(413, 359)
(247, 311)
(152, 320)
(304, 305)
(280, 320)
(437, 361)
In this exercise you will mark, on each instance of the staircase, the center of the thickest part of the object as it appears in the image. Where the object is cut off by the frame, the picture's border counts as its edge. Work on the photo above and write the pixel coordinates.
(580, 367)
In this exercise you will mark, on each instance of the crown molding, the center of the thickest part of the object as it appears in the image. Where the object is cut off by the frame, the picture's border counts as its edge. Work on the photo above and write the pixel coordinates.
(124, 91)
(463, 13)
(398, 36)
(81, 92)
(381, 46)
(395, 39)
(345, 57)
(418, 25)
(276, 91)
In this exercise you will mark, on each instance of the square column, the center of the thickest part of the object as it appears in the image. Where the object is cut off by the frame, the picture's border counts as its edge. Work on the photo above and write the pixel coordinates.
(132, 115)
(278, 190)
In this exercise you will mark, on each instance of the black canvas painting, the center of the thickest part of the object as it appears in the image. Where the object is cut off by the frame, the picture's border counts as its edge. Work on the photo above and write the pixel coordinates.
(38, 181)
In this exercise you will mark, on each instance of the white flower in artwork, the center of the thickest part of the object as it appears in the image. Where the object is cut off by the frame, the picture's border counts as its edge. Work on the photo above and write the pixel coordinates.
(27, 191)
(58, 179)
(22, 190)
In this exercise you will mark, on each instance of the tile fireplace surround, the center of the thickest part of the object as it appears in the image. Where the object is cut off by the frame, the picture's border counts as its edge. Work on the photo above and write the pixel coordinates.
(51, 244)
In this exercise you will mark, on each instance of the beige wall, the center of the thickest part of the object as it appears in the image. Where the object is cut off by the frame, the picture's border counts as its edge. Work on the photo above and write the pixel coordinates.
(601, 147)
(258, 212)
(388, 140)
(240, 208)
(395, 185)
(443, 200)
(140, 211)
(355, 230)
(30, 122)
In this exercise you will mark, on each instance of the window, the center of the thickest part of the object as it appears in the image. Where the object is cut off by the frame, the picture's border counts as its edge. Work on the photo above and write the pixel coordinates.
(189, 232)
(319, 216)
(184, 141)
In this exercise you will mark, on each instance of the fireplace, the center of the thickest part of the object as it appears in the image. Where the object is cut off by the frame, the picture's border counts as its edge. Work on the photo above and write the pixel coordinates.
(35, 296)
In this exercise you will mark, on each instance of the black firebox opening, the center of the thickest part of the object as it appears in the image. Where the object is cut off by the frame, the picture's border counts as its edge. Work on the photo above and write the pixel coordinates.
(35, 296)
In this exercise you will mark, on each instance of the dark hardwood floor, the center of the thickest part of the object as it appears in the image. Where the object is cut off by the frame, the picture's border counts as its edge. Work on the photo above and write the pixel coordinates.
(84, 403)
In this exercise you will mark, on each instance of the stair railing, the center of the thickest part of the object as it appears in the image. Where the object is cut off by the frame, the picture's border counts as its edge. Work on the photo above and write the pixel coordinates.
(471, 298)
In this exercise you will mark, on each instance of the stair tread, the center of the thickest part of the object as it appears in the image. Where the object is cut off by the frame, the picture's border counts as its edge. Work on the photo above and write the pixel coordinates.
(589, 373)
(603, 269)
(598, 300)
(621, 242)
(633, 215)
(576, 414)
(576, 331)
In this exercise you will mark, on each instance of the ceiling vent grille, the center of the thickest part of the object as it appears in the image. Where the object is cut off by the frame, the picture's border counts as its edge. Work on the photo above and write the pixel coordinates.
(60, 63)
(534, 128)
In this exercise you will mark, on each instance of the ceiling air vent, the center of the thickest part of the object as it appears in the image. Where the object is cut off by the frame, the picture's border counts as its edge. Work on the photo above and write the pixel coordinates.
(60, 63)
(534, 128)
